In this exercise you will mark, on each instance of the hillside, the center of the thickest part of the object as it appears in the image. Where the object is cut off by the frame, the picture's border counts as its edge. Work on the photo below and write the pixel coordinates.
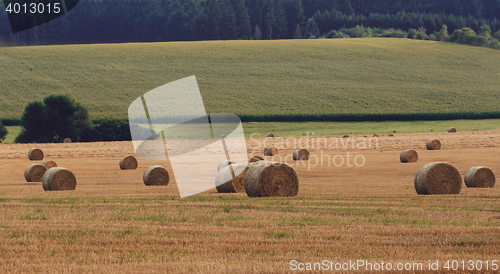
(278, 78)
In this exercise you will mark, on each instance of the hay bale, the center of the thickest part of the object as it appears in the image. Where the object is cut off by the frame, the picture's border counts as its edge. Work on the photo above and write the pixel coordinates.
(433, 144)
(301, 155)
(271, 179)
(156, 176)
(35, 154)
(438, 178)
(480, 176)
(49, 164)
(58, 178)
(346, 136)
(225, 183)
(408, 156)
(255, 159)
(375, 135)
(390, 135)
(34, 173)
(224, 164)
(452, 129)
(270, 135)
(67, 140)
(128, 162)
(270, 151)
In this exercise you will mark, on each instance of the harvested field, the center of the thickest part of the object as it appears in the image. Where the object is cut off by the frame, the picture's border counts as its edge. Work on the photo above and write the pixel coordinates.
(112, 222)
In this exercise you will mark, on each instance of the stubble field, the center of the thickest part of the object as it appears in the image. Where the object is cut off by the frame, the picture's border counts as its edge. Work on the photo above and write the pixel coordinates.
(113, 222)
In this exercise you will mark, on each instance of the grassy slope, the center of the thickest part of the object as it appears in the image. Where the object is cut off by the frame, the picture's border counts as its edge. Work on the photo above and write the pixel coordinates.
(298, 77)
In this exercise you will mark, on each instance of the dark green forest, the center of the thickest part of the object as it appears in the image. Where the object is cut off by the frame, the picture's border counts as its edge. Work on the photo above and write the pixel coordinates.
(117, 21)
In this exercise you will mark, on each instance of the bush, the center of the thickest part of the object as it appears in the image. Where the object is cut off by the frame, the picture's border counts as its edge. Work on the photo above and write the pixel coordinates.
(480, 41)
(336, 34)
(112, 130)
(54, 119)
(497, 35)
(393, 33)
(442, 35)
(422, 34)
(3, 132)
(356, 32)
(463, 36)
(119, 130)
(412, 34)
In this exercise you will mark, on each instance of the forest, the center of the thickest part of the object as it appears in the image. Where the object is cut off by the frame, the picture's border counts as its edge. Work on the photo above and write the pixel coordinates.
(119, 21)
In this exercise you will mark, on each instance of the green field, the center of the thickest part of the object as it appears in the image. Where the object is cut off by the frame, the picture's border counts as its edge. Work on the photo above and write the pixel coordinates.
(294, 78)
(299, 129)
(286, 129)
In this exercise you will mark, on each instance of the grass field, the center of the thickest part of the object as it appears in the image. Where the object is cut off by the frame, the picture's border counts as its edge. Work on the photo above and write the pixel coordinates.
(290, 129)
(262, 78)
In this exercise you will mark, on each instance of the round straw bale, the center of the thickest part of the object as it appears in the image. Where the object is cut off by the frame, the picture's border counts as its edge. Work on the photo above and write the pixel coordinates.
(480, 176)
(256, 159)
(271, 179)
(438, 178)
(224, 181)
(270, 151)
(346, 136)
(433, 144)
(128, 162)
(67, 140)
(270, 135)
(375, 135)
(35, 154)
(49, 164)
(408, 156)
(452, 129)
(156, 176)
(301, 155)
(224, 164)
(58, 178)
(34, 173)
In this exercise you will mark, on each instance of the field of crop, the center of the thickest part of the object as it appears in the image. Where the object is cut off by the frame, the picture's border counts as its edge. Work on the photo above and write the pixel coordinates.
(112, 222)
(300, 79)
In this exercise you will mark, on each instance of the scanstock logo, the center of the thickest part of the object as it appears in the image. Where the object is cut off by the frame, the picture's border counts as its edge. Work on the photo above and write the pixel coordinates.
(178, 130)
(26, 14)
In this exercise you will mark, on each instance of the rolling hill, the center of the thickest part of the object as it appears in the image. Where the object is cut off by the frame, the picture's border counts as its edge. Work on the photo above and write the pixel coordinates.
(263, 80)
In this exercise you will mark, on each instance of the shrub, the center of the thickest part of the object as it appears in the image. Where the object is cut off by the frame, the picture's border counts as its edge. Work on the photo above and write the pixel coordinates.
(336, 34)
(119, 130)
(3, 132)
(480, 41)
(455, 36)
(412, 34)
(356, 32)
(497, 35)
(422, 33)
(112, 130)
(467, 36)
(393, 33)
(442, 35)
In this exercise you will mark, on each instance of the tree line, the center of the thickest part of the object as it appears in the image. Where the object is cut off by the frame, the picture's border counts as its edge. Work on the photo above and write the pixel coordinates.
(116, 21)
